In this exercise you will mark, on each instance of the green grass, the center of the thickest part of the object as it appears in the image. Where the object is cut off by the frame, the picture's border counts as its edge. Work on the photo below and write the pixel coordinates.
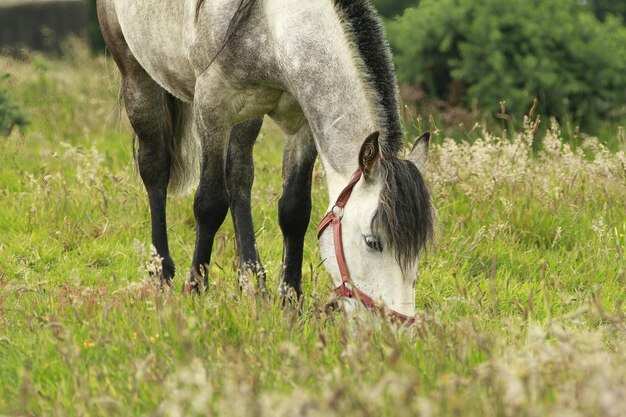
(521, 301)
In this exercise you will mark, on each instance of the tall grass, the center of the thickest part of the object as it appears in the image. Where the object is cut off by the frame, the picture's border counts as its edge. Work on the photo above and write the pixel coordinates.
(521, 304)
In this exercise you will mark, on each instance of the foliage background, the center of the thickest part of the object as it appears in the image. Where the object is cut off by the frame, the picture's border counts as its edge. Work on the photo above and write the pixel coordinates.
(477, 54)
(10, 114)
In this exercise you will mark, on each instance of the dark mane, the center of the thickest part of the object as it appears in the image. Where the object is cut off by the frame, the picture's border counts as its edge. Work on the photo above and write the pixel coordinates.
(369, 38)
(405, 215)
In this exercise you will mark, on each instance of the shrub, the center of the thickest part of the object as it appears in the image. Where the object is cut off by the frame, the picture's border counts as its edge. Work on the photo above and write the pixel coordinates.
(10, 114)
(391, 8)
(93, 28)
(603, 8)
(481, 52)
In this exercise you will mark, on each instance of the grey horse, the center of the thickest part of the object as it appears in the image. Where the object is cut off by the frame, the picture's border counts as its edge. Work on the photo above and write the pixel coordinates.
(197, 78)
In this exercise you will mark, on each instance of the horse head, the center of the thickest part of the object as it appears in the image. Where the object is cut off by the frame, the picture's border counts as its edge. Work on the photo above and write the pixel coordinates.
(381, 222)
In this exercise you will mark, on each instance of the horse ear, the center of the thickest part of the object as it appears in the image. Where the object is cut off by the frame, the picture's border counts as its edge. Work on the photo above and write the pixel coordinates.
(419, 153)
(369, 156)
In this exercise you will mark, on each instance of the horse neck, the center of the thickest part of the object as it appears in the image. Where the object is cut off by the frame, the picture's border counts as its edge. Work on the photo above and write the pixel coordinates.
(326, 75)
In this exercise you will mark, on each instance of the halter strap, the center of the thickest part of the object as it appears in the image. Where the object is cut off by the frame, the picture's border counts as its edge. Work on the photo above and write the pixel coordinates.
(334, 217)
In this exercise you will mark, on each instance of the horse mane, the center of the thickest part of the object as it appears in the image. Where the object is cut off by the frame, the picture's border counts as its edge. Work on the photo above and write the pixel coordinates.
(405, 215)
(365, 28)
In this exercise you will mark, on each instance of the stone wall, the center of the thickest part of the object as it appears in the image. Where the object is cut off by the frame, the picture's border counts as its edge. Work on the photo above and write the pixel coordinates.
(40, 25)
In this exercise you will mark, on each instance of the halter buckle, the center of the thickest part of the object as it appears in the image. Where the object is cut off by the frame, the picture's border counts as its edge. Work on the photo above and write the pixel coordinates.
(338, 212)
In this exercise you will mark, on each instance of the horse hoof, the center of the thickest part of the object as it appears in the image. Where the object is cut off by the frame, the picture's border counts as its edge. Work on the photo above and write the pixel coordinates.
(289, 295)
(190, 288)
(246, 285)
(166, 282)
(247, 274)
(196, 283)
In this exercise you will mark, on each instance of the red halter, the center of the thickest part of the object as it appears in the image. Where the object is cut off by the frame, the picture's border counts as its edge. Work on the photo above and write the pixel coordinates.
(334, 216)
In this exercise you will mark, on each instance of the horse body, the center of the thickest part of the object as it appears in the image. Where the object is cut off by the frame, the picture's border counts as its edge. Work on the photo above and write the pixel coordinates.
(195, 87)
(260, 71)
(160, 45)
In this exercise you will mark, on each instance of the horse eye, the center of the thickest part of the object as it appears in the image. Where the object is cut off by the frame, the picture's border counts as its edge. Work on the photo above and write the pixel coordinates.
(373, 242)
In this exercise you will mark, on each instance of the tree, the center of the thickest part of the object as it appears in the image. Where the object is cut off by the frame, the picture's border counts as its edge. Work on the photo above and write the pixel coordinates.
(392, 8)
(93, 28)
(483, 52)
(604, 8)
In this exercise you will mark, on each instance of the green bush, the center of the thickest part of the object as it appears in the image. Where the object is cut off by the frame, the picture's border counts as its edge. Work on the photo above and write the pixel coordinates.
(482, 52)
(10, 114)
(93, 28)
(391, 8)
(604, 8)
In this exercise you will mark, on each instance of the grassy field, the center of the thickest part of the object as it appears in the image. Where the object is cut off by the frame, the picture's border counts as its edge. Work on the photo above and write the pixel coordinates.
(521, 302)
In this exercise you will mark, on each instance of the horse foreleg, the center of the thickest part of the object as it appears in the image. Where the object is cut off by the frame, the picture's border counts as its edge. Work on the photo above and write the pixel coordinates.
(294, 207)
(211, 199)
(239, 177)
